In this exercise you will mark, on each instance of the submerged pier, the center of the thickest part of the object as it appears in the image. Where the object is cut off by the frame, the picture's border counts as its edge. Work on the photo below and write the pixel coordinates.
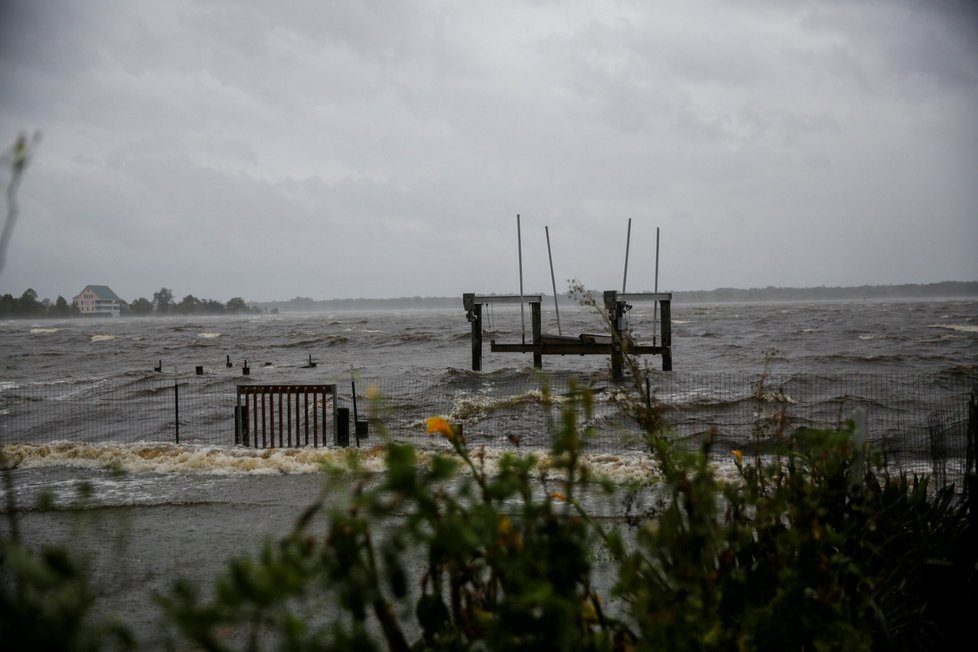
(616, 344)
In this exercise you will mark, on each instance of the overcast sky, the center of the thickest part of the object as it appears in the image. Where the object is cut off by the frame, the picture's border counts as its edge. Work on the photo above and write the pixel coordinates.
(377, 149)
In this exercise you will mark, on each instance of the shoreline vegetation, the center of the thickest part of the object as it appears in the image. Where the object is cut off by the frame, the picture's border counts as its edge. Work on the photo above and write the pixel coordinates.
(30, 306)
(941, 290)
(818, 545)
(814, 542)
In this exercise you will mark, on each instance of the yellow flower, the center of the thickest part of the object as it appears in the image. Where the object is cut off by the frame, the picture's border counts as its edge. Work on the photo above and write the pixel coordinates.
(738, 456)
(442, 427)
(589, 612)
(508, 537)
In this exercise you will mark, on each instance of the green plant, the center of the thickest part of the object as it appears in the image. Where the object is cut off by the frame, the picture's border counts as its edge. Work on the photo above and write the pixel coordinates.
(46, 594)
(447, 554)
(815, 546)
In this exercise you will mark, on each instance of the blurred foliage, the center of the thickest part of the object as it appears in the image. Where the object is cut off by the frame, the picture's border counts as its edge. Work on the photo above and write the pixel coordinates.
(813, 546)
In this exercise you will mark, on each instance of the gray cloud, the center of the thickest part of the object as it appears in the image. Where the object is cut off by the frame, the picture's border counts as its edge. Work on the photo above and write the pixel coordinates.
(379, 149)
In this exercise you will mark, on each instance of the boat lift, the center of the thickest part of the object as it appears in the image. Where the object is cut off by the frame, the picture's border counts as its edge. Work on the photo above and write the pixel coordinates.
(617, 344)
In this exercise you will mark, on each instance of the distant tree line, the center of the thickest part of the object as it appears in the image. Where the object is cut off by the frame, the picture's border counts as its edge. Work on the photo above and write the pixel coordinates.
(28, 306)
(945, 289)
(163, 303)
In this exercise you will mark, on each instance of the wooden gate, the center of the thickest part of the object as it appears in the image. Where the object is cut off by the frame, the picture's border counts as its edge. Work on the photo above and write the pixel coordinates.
(284, 416)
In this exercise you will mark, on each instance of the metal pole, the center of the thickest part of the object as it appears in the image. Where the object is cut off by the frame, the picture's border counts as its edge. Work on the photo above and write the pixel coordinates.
(519, 249)
(356, 415)
(628, 241)
(176, 410)
(553, 281)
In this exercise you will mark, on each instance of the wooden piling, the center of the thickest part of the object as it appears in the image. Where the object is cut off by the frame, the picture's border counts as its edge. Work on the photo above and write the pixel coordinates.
(537, 326)
(665, 327)
(473, 313)
(613, 308)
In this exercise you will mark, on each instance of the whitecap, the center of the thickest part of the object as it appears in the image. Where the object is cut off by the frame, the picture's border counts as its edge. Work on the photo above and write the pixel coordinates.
(209, 336)
(102, 338)
(44, 331)
(960, 328)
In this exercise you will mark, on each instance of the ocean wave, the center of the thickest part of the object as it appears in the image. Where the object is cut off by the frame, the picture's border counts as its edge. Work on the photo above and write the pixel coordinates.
(698, 399)
(633, 467)
(469, 407)
(326, 340)
(959, 328)
(103, 338)
(416, 337)
(44, 331)
(209, 336)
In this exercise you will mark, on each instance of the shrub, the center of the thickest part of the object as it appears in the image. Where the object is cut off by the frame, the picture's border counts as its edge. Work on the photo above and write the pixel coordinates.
(815, 547)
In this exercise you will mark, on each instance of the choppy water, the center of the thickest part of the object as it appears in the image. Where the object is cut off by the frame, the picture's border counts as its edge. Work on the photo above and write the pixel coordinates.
(894, 357)
(183, 508)
(923, 337)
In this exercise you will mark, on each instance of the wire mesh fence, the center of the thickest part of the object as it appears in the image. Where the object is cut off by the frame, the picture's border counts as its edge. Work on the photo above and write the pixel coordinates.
(919, 422)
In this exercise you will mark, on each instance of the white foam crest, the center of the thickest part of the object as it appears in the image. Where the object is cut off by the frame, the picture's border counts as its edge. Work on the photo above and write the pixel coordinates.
(775, 396)
(6, 384)
(206, 460)
(468, 406)
(960, 328)
(209, 336)
(173, 458)
(102, 338)
(44, 331)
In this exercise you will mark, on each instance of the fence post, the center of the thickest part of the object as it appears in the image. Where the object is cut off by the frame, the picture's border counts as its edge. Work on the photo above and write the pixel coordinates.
(342, 427)
(241, 437)
(176, 410)
(970, 472)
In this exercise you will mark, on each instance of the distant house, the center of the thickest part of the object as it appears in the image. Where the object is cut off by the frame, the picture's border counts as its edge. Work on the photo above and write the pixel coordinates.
(98, 300)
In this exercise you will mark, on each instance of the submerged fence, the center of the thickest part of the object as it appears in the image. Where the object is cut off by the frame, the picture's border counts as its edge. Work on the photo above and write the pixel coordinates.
(919, 422)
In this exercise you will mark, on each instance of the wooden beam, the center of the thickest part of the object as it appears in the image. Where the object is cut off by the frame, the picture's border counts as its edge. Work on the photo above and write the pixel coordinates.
(507, 298)
(645, 296)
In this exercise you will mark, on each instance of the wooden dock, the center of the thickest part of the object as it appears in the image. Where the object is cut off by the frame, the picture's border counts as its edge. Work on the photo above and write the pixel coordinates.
(616, 344)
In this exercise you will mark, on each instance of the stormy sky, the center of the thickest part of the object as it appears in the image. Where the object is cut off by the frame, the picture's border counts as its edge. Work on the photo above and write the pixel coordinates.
(376, 149)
